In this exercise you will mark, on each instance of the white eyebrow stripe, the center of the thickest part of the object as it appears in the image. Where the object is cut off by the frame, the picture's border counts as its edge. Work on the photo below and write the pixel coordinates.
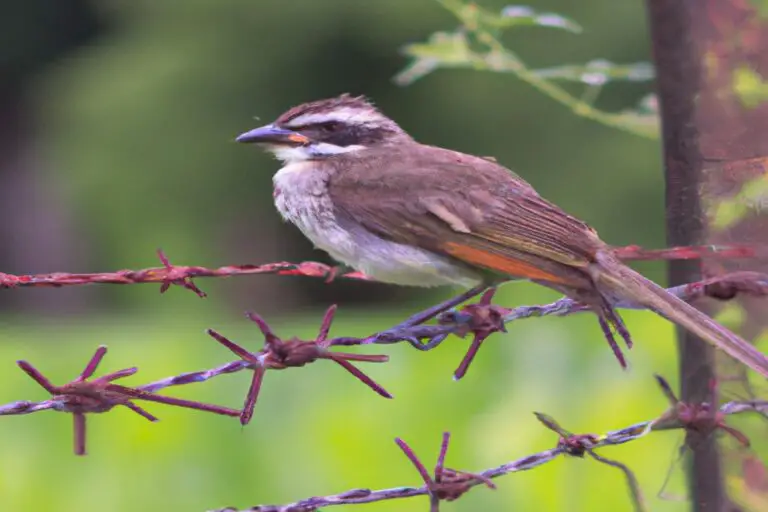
(343, 115)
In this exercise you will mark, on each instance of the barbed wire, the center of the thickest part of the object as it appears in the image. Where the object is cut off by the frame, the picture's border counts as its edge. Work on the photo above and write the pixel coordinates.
(182, 275)
(83, 396)
(481, 319)
(86, 395)
(448, 484)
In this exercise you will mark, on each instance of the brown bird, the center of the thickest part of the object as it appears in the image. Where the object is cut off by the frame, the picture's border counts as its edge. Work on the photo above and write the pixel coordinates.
(402, 212)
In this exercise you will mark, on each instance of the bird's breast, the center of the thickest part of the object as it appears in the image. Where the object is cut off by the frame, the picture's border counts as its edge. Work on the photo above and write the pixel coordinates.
(302, 198)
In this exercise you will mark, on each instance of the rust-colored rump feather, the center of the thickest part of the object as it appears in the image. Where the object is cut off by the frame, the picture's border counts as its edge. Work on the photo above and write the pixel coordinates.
(502, 264)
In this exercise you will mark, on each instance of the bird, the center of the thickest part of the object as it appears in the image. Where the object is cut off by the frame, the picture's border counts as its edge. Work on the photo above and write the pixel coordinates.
(360, 188)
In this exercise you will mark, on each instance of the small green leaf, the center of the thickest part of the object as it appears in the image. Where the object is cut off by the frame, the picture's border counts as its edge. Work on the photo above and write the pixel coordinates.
(475, 18)
(446, 47)
(521, 15)
(442, 49)
(599, 72)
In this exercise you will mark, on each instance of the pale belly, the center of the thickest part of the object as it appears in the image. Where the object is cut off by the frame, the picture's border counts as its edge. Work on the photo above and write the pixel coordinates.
(301, 198)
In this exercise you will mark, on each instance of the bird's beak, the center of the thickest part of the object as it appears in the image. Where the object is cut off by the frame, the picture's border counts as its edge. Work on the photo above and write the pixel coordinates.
(271, 134)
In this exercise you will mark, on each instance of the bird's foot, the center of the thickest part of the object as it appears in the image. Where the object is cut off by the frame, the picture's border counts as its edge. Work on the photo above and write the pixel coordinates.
(480, 319)
(413, 331)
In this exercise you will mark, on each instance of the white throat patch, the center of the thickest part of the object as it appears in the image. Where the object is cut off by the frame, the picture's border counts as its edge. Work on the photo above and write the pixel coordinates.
(310, 152)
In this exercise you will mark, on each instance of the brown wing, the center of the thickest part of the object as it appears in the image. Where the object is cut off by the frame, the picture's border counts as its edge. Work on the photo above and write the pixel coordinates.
(465, 207)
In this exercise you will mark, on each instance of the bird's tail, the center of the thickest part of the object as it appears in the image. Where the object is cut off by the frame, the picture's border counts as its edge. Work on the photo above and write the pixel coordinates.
(609, 273)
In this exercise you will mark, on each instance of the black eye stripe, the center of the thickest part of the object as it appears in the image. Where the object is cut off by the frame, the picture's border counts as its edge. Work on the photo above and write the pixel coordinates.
(331, 126)
(342, 134)
(326, 126)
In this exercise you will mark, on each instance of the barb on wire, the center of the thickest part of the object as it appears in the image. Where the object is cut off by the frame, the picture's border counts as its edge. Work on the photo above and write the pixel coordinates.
(448, 485)
(278, 355)
(83, 396)
(577, 445)
(700, 420)
(178, 276)
(183, 275)
(482, 319)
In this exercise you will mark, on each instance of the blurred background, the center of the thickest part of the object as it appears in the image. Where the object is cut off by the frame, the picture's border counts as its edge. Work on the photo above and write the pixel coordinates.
(117, 122)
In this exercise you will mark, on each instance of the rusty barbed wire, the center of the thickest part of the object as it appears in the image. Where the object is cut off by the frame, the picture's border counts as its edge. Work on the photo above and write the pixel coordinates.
(169, 274)
(183, 275)
(279, 355)
(482, 318)
(448, 484)
(82, 396)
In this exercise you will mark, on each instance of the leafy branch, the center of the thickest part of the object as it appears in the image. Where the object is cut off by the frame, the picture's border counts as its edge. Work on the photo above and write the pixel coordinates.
(477, 45)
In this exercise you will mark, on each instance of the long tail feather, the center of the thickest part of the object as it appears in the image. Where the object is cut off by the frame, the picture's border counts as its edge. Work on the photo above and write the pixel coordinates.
(609, 273)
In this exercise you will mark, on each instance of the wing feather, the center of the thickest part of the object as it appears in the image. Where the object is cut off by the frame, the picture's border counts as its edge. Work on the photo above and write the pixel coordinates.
(494, 219)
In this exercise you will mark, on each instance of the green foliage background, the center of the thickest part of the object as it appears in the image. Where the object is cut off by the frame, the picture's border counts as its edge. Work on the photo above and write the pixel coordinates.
(141, 127)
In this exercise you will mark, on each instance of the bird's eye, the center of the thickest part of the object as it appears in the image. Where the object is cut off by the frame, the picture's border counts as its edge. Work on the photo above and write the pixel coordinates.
(330, 126)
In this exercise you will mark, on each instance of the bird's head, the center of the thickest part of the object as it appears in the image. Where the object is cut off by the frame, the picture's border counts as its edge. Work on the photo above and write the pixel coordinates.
(325, 129)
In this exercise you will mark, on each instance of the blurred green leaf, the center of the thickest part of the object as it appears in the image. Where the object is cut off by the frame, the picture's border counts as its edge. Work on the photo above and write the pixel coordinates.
(475, 17)
(442, 49)
(598, 72)
(644, 118)
(476, 45)
(520, 15)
